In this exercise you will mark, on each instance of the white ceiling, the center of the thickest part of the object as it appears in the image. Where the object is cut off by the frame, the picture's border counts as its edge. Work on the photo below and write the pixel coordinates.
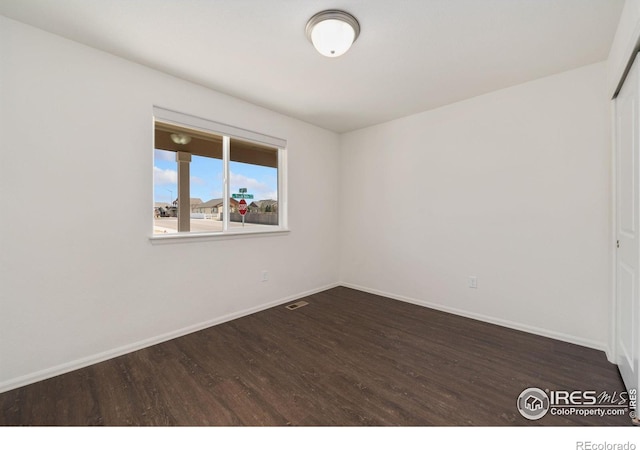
(411, 56)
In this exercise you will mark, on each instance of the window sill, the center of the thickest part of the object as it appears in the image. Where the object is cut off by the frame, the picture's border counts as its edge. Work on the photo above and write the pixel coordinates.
(174, 238)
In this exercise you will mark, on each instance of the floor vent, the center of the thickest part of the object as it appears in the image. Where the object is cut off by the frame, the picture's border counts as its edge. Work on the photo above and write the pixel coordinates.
(296, 305)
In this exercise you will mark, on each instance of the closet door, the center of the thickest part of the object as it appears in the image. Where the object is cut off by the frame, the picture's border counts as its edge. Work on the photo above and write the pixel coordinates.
(628, 248)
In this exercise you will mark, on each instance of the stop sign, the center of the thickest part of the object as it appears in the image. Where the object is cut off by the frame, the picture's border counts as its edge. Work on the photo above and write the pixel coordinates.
(242, 207)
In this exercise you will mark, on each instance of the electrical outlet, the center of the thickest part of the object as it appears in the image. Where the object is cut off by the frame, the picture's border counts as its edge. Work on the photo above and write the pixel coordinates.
(265, 276)
(473, 282)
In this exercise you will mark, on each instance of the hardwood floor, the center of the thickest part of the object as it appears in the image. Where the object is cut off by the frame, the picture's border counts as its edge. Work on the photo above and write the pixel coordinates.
(347, 358)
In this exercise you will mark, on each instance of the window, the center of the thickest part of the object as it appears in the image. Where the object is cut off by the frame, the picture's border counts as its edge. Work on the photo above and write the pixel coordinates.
(211, 178)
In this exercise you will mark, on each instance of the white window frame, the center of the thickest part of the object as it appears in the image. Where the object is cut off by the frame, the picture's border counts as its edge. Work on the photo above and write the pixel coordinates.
(227, 132)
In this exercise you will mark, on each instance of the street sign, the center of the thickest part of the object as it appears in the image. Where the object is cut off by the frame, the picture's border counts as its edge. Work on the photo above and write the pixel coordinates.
(242, 207)
(242, 190)
(249, 196)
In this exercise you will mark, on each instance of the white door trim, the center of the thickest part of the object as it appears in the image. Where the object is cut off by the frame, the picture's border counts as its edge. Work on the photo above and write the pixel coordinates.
(612, 354)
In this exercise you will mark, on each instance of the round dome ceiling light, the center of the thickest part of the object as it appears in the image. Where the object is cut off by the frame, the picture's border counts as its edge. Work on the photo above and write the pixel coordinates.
(332, 32)
(180, 139)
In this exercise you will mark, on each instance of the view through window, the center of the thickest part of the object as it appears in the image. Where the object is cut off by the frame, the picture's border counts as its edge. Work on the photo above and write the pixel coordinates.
(190, 183)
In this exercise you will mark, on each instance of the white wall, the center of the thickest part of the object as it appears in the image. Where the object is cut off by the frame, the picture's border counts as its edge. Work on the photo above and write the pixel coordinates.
(512, 187)
(81, 283)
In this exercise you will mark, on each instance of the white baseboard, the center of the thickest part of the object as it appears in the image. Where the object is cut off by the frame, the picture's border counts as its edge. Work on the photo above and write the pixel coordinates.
(489, 319)
(611, 356)
(113, 353)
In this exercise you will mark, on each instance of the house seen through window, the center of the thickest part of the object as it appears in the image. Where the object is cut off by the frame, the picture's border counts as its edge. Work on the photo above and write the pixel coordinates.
(205, 182)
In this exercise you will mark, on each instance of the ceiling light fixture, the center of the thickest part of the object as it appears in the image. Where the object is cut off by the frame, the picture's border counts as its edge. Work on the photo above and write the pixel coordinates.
(181, 139)
(332, 32)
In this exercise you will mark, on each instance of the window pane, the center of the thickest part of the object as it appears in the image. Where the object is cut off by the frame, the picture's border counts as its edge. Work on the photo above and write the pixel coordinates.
(253, 173)
(202, 160)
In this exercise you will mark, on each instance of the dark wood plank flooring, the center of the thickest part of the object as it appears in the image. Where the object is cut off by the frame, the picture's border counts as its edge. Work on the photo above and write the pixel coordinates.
(347, 358)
